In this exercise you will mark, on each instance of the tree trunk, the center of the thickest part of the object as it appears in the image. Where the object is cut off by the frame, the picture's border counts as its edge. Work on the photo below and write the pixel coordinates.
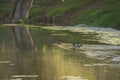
(21, 34)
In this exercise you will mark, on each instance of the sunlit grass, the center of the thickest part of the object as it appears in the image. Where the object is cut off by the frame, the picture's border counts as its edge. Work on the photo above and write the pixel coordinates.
(108, 16)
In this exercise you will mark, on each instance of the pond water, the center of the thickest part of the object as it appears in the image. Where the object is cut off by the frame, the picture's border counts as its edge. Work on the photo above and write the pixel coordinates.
(56, 60)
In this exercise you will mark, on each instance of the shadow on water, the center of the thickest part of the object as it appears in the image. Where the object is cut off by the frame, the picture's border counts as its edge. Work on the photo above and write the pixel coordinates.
(50, 62)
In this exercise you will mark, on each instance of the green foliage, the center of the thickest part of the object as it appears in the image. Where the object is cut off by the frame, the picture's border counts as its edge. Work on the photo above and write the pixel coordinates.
(57, 11)
(86, 16)
(21, 22)
(35, 11)
(111, 1)
(108, 20)
(109, 16)
(66, 7)
(4, 9)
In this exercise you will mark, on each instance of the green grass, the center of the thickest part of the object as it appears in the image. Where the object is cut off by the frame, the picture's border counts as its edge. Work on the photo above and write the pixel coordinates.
(57, 11)
(5, 8)
(86, 16)
(65, 7)
(109, 16)
(4, 11)
(35, 11)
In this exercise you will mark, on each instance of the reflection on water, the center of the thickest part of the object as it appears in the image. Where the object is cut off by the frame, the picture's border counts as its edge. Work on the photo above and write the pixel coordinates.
(103, 35)
(4, 62)
(48, 65)
(22, 76)
(72, 78)
(51, 62)
(54, 64)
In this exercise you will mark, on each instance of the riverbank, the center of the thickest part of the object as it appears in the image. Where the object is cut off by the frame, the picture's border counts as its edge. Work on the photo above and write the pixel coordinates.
(104, 13)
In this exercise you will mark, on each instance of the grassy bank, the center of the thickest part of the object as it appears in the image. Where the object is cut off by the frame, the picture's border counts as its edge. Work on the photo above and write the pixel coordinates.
(105, 13)
(109, 16)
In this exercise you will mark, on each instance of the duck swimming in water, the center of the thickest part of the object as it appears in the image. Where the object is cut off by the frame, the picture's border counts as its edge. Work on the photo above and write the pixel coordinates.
(76, 45)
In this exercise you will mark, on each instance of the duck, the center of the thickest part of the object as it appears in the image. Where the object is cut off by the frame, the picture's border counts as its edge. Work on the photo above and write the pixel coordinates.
(76, 45)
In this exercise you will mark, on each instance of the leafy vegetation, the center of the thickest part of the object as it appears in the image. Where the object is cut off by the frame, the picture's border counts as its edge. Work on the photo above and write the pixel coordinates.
(65, 7)
(4, 11)
(109, 16)
(87, 11)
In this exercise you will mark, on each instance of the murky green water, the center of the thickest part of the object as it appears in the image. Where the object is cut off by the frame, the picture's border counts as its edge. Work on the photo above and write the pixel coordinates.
(94, 61)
